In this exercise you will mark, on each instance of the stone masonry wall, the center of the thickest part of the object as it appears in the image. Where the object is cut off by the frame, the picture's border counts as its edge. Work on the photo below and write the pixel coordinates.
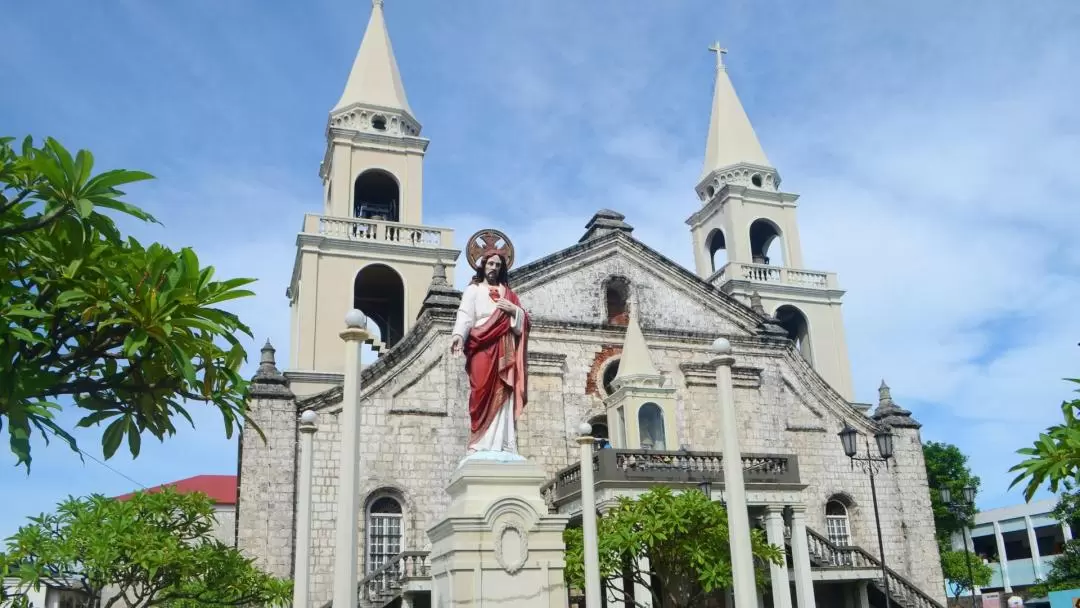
(416, 425)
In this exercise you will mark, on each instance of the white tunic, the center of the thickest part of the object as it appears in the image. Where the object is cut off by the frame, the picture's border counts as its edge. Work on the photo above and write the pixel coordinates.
(475, 310)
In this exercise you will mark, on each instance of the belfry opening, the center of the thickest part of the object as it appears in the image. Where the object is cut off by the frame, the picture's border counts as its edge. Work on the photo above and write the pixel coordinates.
(376, 196)
(379, 293)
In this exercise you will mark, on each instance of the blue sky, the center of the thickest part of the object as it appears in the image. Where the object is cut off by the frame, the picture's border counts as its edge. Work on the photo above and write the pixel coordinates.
(934, 146)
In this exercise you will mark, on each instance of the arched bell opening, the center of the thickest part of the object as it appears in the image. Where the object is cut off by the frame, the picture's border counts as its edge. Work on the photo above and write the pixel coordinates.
(717, 247)
(379, 292)
(617, 300)
(766, 244)
(798, 329)
(376, 196)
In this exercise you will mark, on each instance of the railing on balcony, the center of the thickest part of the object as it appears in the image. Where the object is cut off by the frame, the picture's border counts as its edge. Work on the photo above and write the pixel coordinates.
(780, 275)
(389, 580)
(355, 229)
(631, 467)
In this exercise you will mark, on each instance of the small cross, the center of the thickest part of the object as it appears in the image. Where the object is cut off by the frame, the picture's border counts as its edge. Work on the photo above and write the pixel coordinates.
(720, 52)
(377, 3)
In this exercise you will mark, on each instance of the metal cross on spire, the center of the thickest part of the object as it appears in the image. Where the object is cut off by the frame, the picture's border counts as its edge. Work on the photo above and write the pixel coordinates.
(375, 3)
(720, 52)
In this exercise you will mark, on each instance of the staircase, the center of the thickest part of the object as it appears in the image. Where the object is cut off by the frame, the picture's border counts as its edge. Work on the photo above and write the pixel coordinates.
(902, 592)
(384, 586)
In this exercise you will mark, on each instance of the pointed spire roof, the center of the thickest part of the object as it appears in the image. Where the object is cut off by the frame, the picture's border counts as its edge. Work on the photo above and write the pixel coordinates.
(375, 79)
(635, 360)
(891, 414)
(732, 139)
(269, 382)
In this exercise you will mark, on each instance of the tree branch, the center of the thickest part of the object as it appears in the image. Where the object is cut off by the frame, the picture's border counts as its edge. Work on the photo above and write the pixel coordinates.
(35, 223)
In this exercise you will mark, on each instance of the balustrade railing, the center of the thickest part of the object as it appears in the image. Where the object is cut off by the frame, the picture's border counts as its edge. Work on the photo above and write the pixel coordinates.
(826, 554)
(387, 581)
(780, 275)
(649, 466)
(354, 229)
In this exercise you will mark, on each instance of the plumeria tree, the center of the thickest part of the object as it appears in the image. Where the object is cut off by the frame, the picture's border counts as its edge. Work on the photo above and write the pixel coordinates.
(128, 333)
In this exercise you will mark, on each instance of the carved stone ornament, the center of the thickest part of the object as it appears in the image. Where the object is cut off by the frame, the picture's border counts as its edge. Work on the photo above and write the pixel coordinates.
(511, 546)
(486, 242)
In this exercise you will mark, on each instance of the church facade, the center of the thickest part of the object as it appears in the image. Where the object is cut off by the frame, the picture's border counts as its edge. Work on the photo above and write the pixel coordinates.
(620, 338)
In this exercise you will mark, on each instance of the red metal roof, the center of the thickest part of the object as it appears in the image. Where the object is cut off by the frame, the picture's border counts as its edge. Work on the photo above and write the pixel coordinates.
(220, 488)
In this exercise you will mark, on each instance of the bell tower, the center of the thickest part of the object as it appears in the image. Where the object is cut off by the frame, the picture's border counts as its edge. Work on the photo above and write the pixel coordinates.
(746, 238)
(369, 248)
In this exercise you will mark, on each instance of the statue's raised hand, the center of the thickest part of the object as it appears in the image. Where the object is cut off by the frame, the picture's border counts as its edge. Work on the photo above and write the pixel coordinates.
(455, 345)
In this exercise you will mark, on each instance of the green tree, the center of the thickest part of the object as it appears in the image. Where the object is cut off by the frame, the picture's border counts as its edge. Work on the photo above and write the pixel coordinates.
(685, 537)
(1054, 459)
(954, 567)
(128, 333)
(946, 467)
(155, 549)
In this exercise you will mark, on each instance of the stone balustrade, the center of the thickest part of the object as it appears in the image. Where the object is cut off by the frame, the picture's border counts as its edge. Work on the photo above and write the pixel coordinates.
(779, 275)
(648, 467)
(355, 229)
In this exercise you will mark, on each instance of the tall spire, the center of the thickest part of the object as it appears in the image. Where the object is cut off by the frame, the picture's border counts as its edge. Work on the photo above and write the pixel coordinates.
(731, 137)
(635, 360)
(374, 79)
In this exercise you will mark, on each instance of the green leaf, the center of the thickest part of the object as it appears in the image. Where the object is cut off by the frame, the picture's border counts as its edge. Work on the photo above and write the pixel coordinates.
(110, 439)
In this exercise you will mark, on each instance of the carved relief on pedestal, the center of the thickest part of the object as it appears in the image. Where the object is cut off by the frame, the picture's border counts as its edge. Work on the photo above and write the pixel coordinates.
(511, 545)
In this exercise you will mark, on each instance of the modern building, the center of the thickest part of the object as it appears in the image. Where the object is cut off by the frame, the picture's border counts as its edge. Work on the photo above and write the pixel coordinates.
(620, 337)
(1026, 535)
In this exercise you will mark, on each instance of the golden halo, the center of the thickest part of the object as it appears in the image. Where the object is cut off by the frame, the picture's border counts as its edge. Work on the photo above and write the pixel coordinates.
(486, 242)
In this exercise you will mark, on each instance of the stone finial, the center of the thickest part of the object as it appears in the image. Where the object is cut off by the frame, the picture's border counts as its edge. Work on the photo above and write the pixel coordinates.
(891, 414)
(268, 381)
(721, 346)
(354, 319)
(441, 294)
(756, 305)
(605, 221)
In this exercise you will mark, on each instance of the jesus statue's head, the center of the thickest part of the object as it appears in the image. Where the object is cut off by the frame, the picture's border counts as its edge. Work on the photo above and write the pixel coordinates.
(491, 270)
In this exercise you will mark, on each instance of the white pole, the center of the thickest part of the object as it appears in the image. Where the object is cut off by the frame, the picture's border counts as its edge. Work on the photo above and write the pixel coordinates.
(742, 560)
(588, 519)
(348, 507)
(302, 565)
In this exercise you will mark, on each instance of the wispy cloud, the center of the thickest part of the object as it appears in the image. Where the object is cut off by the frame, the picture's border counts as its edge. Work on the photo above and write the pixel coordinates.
(933, 146)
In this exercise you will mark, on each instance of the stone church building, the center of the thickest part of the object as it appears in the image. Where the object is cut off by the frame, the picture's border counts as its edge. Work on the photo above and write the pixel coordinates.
(620, 338)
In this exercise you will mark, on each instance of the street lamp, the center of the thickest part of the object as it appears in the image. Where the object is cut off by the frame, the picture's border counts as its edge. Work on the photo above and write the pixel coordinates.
(869, 464)
(959, 509)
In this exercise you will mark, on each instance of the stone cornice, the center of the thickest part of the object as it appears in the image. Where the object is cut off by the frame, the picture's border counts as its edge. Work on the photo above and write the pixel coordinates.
(546, 364)
(817, 294)
(704, 374)
(314, 377)
(740, 193)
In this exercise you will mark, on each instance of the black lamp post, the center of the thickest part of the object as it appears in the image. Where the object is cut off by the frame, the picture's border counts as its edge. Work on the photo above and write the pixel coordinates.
(869, 464)
(959, 510)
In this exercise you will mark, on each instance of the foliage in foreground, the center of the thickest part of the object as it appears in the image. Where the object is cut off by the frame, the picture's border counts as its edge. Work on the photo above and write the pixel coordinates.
(946, 467)
(155, 549)
(1054, 458)
(685, 537)
(954, 567)
(127, 332)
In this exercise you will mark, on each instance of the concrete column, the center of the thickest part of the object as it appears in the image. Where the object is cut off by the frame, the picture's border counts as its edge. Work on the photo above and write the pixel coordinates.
(1066, 532)
(863, 594)
(588, 518)
(346, 537)
(302, 574)
(800, 558)
(774, 532)
(1034, 542)
(642, 595)
(742, 558)
(1003, 560)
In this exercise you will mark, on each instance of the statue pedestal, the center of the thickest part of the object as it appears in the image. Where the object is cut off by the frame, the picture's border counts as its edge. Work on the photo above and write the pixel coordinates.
(497, 545)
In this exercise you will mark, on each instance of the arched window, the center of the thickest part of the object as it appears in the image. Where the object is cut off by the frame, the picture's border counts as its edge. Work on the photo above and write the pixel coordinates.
(798, 329)
(379, 293)
(608, 376)
(837, 526)
(717, 249)
(384, 531)
(616, 298)
(765, 243)
(376, 196)
(600, 431)
(651, 427)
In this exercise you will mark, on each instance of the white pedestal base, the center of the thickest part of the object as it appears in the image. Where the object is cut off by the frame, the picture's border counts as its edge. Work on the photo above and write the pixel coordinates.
(498, 546)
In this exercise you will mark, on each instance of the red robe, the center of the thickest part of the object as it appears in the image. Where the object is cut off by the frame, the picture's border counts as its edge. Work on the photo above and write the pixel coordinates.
(495, 363)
